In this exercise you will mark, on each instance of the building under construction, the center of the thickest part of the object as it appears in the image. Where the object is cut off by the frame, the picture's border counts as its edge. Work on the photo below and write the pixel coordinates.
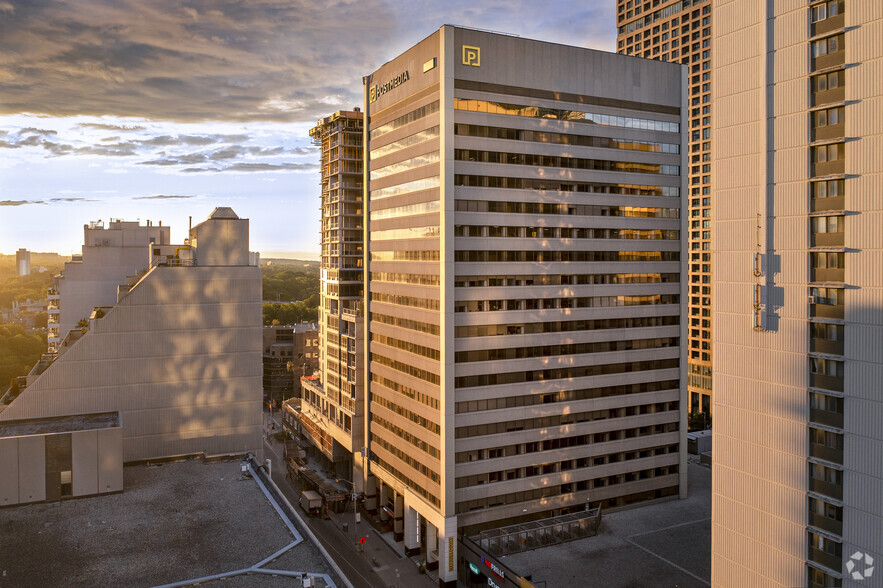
(334, 402)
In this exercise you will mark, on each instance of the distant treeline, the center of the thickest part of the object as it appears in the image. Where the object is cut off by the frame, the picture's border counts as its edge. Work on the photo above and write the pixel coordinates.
(33, 287)
(295, 284)
(290, 314)
(289, 282)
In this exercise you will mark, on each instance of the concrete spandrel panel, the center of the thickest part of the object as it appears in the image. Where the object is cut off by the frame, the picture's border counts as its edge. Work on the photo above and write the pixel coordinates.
(84, 458)
(9, 467)
(32, 469)
(110, 460)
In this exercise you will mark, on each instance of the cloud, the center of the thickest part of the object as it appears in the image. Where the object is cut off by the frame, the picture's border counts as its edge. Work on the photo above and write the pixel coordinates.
(169, 140)
(33, 131)
(231, 152)
(59, 149)
(275, 151)
(163, 197)
(108, 127)
(47, 201)
(113, 147)
(256, 167)
(198, 151)
(190, 159)
(263, 60)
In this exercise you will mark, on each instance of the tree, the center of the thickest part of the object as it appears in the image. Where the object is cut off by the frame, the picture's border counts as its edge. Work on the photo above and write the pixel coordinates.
(698, 421)
(41, 320)
(289, 314)
(289, 282)
(20, 350)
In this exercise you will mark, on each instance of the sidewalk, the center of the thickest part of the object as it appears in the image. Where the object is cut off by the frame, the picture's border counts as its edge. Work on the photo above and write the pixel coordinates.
(379, 562)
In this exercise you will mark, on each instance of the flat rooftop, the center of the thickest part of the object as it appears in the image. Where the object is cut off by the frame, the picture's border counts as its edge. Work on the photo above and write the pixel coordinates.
(62, 424)
(667, 544)
(175, 522)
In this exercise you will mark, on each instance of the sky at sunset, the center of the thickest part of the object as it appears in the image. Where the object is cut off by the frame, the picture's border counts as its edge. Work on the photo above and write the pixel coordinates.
(165, 109)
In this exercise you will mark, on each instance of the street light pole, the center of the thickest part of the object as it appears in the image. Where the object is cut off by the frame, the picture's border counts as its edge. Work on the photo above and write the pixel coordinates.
(355, 513)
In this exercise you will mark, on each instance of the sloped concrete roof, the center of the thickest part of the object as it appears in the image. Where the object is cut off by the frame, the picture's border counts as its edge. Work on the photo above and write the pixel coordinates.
(223, 212)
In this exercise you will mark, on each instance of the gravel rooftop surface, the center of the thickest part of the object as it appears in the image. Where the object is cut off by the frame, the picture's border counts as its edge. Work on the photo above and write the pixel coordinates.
(667, 544)
(174, 522)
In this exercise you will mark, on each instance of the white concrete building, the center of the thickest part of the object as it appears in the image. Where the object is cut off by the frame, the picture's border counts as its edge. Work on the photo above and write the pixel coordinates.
(178, 355)
(797, 483)
(109, 254)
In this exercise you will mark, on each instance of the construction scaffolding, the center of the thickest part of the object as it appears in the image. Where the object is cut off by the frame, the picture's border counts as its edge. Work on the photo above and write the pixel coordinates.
(527, 536)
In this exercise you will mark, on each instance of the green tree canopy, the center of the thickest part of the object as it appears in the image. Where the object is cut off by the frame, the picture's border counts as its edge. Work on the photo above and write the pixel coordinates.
(20, 350)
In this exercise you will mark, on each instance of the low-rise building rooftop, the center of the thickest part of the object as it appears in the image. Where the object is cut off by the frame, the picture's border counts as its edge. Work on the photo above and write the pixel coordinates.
(175, 523)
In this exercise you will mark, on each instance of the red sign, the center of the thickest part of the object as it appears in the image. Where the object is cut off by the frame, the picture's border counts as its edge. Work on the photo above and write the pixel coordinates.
(362, 540)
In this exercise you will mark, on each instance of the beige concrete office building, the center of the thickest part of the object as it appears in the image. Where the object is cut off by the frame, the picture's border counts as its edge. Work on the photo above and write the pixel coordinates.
(680, 31)
(178, 356)
(332, 410)
(23, 262)
(524, 284)
(797, 482)
(109, 254)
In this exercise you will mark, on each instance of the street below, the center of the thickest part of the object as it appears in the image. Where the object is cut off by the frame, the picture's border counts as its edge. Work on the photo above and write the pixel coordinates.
(372, 564)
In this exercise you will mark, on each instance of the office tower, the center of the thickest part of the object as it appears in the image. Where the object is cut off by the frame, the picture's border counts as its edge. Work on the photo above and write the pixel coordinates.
(331, 412)
(680, 32)
(524, 284)
(23, 262)
(109, 254)
(797, 480)
(177, 355)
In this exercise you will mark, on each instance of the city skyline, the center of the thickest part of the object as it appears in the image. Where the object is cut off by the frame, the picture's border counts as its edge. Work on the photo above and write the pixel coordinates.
(111, 110)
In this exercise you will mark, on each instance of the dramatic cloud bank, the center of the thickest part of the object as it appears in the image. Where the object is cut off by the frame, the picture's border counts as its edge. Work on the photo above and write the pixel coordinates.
(129, 108)
(267, 60)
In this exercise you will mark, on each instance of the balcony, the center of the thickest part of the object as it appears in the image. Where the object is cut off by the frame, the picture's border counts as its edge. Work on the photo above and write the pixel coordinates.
(827, 453)
(826, 346)
(829, 60)
(826, 488)
(824, 382)
(829, 132)
(826, 417)
(832, 96)
(819, 579)
(824, 523)
(825, 274)
(827, 240)
(832, 562)
(828, 168)
(831, 311)
(824, 204)
(828, 25)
